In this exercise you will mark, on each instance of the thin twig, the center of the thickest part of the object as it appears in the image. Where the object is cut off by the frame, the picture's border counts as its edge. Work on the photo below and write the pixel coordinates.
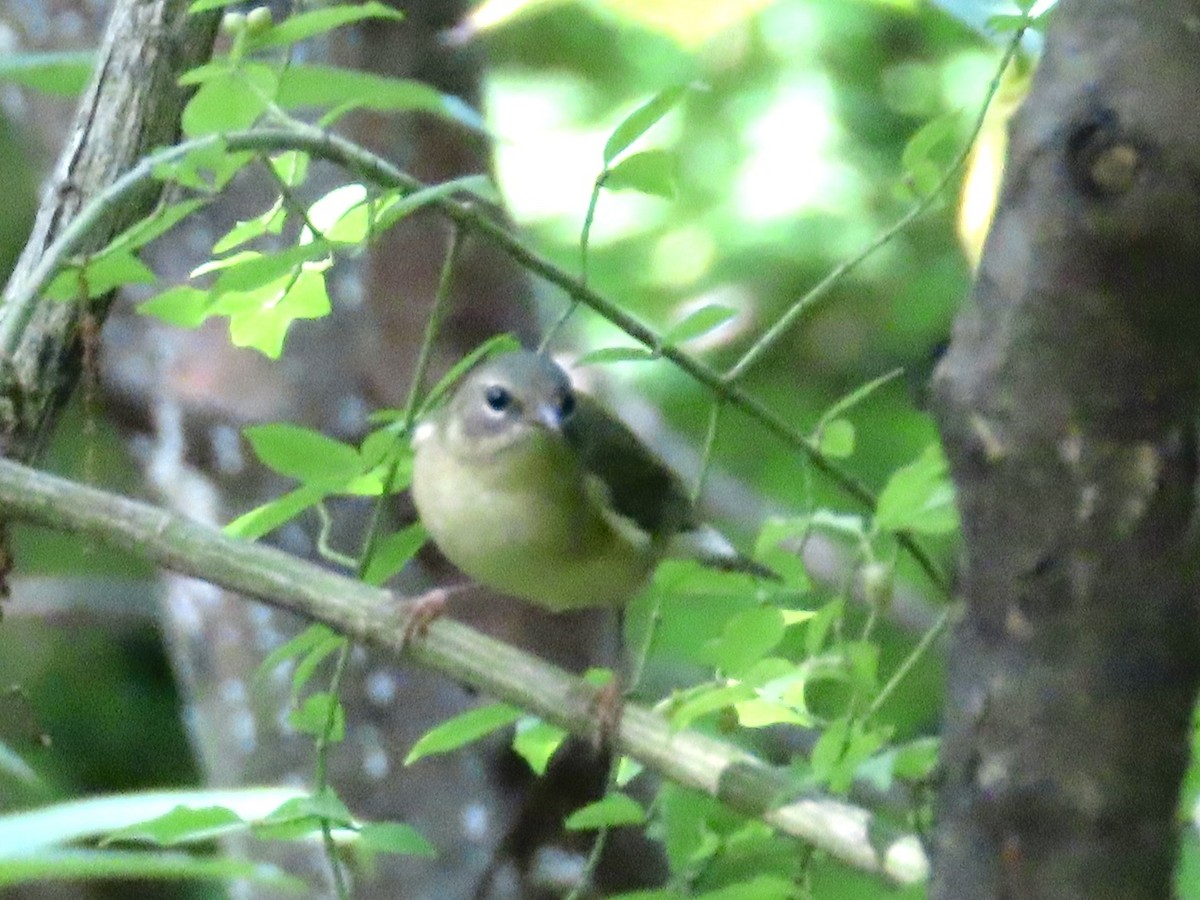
(838, 272)
(363, 163)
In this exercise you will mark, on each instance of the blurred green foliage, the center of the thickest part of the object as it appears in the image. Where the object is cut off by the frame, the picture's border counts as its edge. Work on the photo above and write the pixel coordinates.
(787, 160)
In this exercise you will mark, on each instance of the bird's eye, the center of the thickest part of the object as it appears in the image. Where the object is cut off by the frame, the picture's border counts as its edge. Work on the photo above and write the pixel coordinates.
(497, 398)
(567, 405)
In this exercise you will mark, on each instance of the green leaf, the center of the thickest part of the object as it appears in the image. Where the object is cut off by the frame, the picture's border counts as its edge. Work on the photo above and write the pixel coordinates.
(155, 225)
(101, 275)
(395, 837)
(820, 625)
(270, 221)
(182, 305)
(862, 658)
(641, 120)
(480, 187)
(371, 482)
(65, 74)
(536, 742)
(325, 212)
(310, 24)
(686, 836)
(611, 811)
(836, 438)
(829, 748)
(627, 770)
(747, 638)
(313, 715)
(33, 830)
(206, 168)
(301, 453)
(919, 497)
(857, 396)
(650, 172)
(698, 323)
(762, 887)
(607, 355)
(261, 318)
(310, 637)
(916, 760)
(250, 270)
(291, 166)
(932, 145)
(760, 713)
(844, 746)
(182, 825)
(463, 729)
(312, 659)
(847, 525)
(347, 214)
(93, 865)
(303, 816)
(302, 85)
(230, 101)
(1002, 23)
(266, 518)
(777, 546)
(215, 68)
(779, 697)
(707, 699)
(205, 5)
(392, 553)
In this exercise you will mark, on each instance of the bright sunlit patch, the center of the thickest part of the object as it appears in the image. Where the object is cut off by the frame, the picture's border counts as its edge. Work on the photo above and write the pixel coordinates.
(792, 32)
(792, 162)
(683, 256)
(550, 160)
(689, 22)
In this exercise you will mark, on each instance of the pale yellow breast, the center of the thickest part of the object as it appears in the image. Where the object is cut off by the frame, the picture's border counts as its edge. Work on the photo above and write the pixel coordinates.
(526, 525)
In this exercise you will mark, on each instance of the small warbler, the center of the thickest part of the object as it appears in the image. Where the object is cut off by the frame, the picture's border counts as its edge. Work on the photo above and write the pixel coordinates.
(534, 490)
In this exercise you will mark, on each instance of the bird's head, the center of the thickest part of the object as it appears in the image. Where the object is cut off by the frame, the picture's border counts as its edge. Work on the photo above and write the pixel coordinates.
(517, 401)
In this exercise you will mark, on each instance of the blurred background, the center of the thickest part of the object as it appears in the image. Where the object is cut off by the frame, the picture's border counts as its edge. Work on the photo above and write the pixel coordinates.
(788, 152)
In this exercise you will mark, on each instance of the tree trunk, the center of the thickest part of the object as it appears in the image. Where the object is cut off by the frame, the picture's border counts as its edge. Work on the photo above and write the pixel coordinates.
(1068, 403)
(133, 105)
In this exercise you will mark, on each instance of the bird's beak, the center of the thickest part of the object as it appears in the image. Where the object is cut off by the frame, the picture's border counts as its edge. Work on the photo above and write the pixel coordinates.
(548, 417)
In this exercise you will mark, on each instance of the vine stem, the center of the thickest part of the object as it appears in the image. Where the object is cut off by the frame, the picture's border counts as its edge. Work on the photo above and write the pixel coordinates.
(325, 145)
(326, 740)
(838, 272)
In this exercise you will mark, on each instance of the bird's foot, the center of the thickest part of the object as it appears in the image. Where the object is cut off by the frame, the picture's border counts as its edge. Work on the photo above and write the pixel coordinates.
(608, 706)
(424, 610)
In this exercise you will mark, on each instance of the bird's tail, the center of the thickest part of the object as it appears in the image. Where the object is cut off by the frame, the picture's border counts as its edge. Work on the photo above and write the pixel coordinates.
(710, 548)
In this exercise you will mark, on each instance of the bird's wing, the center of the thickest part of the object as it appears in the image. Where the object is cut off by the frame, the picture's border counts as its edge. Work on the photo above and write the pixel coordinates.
(647, 494)
(637, 484)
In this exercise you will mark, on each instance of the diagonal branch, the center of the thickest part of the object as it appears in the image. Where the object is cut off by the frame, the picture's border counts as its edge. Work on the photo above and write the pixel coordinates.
(360, 161)
(373, 616)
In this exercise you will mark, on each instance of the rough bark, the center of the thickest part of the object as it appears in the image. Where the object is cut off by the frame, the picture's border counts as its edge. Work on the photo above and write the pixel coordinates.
(132, 105)
(1068, 403)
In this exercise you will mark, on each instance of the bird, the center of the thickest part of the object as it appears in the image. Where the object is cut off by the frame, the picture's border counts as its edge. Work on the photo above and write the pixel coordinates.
(533, 489)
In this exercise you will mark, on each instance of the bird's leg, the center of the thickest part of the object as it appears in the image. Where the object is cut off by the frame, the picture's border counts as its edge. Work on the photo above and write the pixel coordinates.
(608, 706)
(609, 702)
(426, 608)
